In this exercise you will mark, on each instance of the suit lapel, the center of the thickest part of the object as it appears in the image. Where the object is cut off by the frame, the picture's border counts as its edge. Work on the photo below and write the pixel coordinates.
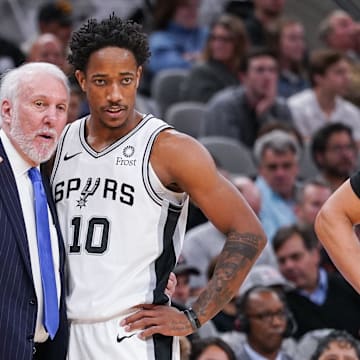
(10, 197)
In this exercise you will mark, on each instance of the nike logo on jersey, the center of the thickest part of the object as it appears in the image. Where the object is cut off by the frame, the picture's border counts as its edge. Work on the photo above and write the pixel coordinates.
(120, 339)
(68, 157)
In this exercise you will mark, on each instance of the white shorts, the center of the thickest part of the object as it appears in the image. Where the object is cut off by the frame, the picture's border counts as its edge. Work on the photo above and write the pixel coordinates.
(107, 340)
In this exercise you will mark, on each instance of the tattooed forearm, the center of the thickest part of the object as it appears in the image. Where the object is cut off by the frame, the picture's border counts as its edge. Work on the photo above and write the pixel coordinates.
(243, 244)
(239, 253)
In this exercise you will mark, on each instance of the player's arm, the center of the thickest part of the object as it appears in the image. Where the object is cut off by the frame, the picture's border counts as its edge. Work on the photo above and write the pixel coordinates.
(183, 164)
(334, 227)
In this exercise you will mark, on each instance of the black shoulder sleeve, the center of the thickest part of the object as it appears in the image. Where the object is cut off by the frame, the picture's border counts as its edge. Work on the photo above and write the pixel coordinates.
(355, 183)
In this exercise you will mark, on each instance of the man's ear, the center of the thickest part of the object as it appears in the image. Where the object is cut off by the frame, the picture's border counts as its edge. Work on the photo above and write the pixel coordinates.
(6, 111)
(80, 77)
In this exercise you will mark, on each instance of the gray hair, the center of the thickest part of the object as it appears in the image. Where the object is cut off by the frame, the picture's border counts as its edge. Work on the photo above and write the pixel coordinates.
(325, 28)
(14, 78)
(278, 141)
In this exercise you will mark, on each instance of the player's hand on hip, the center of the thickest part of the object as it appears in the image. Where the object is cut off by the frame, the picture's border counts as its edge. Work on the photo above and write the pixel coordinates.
(157, 319)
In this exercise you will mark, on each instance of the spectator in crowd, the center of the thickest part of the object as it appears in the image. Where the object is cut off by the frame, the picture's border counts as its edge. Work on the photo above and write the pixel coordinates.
(219, 68)
(11, 56)
(337, 344)
(260, 276)
(317, 295)
(177, 38)
(211, 348)
(311, 196)
(56, 18)
(239, 112)
(277, 156)
(337, 32)
(264, 318)
(335, 153)
(312, 108)
(204, 242)
(47, 48)
(265, 14)
(287, 39)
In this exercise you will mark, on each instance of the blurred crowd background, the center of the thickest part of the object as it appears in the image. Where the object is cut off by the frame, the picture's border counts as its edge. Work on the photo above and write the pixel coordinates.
(272, 89)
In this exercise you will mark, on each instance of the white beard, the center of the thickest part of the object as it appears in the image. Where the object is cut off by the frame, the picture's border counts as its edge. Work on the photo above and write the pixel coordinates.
(26, 142)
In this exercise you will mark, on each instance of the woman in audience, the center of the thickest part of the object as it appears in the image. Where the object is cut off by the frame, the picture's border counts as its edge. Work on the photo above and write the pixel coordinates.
(287, 40)
(222, 54)
(177, 39)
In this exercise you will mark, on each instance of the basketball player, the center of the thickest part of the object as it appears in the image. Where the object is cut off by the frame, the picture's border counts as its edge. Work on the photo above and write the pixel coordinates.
(121, 181)
(335, 227)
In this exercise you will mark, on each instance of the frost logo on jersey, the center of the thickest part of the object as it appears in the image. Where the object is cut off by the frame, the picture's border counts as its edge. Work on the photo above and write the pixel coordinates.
(128, 152)
(86, 191)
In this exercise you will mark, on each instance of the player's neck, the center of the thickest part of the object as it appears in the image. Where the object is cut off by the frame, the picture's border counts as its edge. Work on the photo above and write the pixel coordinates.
(100, 136)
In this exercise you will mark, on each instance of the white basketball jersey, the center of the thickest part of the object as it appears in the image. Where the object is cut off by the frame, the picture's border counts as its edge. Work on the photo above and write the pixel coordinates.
(122, 235)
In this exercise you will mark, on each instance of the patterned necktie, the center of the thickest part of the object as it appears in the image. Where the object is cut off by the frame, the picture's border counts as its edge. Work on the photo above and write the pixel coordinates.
(51, 311)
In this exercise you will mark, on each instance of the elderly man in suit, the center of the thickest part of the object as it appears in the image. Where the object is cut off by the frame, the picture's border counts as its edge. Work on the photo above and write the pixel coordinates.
(34, 102)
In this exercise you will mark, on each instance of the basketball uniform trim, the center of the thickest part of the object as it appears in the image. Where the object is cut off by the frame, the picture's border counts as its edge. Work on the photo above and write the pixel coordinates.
(166, 261)
(58, 152)
(163, 346)
(145, 169)
(114, 145)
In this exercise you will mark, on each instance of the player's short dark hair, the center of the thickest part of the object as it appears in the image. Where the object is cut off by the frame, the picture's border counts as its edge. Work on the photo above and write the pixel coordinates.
(112, 31)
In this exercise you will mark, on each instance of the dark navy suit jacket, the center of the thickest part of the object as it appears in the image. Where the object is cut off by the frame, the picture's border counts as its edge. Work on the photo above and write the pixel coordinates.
(18, 305)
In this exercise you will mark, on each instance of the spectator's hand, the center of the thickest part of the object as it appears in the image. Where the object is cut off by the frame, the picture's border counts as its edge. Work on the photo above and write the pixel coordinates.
(157, 319)
(267, 101)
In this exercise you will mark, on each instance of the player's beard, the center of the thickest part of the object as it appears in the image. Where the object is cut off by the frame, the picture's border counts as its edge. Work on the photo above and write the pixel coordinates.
(25, 142)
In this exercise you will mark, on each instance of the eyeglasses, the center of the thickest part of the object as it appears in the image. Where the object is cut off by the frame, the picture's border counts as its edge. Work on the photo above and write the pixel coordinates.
(221, 38)
(339, 148)
(263, 69)
(275, 166)
(269, 316)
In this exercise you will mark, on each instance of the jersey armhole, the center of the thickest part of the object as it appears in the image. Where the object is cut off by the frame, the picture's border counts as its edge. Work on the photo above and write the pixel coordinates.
(355, 183)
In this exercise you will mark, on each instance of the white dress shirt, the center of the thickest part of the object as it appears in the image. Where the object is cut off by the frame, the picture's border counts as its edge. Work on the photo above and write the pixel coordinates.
(256, 356)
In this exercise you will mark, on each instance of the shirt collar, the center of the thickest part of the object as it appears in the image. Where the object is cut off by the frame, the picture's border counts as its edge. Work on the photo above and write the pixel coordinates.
(18, 164)
(318, 296)
(256, 356)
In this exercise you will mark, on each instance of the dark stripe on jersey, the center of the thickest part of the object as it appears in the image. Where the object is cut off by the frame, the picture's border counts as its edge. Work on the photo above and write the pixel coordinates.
(114, 145)
(166, 261)
(58, 154)
(355, 183)
(146, 162)
(163, 347)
